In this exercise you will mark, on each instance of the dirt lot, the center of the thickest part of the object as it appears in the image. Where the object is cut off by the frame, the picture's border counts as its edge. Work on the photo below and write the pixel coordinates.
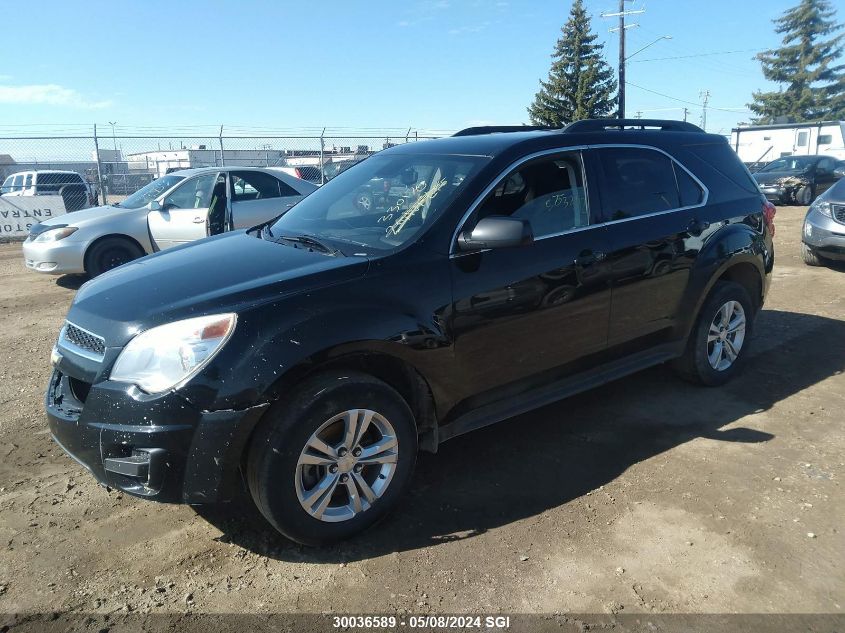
(647, 496)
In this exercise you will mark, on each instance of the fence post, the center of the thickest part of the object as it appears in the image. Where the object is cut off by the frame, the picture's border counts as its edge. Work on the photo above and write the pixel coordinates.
(407, 134)
(322, 153)
(99, 167)
(222, 159)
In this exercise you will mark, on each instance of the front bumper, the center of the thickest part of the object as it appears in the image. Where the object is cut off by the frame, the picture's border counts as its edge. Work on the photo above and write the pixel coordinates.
(160, 448)
(777, 195)
(824, 235)
(55, 258)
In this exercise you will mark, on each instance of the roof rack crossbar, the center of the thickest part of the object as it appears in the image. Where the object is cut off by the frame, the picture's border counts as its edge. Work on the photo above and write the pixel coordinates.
(493, 129)
(600, 125)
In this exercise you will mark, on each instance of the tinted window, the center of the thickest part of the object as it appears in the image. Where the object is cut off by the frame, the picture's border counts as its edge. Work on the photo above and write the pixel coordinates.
(193, 194)
(28, 182)
(18, 183)
(549, 193)
(256, 185)
(723, 159)
(47, 182)
(7, 185)
(689, 190)
(825, 165)
(825, 139)
(637, 182)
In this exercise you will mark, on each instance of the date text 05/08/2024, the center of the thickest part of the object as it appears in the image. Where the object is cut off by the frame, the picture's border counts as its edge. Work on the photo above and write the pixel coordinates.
(421, 621)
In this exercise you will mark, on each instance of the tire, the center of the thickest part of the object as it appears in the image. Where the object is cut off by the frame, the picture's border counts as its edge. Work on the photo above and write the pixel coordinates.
(364, 202)
(697, 363)
(810, 256)
(110, 253)
(282, 485)
(804, 196)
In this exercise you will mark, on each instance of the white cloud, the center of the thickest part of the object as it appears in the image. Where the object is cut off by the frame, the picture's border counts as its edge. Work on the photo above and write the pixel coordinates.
(474, 28)
(48, 94)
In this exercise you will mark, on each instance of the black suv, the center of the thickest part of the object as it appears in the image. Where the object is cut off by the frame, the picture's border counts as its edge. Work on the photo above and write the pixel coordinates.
(307, 360)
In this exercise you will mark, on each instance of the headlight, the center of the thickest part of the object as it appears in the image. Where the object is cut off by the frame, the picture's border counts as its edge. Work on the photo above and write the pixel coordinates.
(821, 206)
(55, 234)
(169, 355)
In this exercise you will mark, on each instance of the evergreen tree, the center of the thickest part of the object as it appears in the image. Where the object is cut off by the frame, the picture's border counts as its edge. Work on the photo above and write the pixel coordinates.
(813, 85)
(581, 84)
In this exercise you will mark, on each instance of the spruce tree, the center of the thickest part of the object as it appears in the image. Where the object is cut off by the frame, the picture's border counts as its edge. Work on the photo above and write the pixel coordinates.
(812, 83)
(581, 84)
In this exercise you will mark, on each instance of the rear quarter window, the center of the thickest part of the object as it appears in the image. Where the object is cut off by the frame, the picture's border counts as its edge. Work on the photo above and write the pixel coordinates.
(721, 158)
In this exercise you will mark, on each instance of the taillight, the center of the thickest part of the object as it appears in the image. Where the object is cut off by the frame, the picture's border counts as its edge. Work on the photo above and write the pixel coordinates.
(769, 216)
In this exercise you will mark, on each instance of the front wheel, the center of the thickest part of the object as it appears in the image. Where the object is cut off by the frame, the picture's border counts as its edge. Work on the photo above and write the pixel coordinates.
(718, 343)
(110, 253)
(810, 256)
(804, 196)
(333, 459)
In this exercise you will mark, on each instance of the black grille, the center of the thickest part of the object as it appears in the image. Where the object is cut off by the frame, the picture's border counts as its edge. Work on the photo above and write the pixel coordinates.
(85, 340)
(838, 212)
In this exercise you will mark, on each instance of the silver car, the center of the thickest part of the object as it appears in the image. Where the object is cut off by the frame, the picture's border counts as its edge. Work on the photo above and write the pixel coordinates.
(177, 208)
(823, 237)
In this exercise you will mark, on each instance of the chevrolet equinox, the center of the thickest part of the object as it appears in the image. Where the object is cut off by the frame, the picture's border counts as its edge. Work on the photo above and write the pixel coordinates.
(306, 360)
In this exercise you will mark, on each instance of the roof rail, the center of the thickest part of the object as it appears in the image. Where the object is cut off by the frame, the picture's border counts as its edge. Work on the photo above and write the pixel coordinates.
(493, 129)
(600, 125)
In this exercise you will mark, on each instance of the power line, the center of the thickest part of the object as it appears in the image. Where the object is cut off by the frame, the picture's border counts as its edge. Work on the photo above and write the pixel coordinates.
(698, 105)
(660, 59)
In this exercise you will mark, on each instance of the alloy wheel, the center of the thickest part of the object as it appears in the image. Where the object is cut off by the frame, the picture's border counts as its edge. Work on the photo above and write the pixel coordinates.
(346, 465)
(726, 335)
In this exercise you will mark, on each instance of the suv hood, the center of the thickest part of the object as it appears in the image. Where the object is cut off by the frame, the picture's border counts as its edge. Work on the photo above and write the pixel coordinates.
(226, 273)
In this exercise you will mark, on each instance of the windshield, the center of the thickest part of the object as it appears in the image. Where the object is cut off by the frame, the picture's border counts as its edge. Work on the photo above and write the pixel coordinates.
(382, 202)
(790, 163)
(150, 192)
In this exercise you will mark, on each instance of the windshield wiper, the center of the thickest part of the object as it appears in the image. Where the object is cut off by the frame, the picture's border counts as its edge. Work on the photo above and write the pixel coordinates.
(311, 242)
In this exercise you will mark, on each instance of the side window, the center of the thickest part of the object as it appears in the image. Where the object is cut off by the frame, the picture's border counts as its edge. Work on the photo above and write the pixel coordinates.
(637, 182)
(192, 194)
(825, 139)
(256, 185)
(7, 185)
(18, 183)
(548, 192)
(825, 166)
(802, 139)
(689, 191)
(28, 181)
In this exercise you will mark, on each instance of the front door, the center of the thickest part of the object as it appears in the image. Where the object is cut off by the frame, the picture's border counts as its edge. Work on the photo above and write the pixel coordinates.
(258, 197)
(653, 214)
(184, 212)
(531, 315)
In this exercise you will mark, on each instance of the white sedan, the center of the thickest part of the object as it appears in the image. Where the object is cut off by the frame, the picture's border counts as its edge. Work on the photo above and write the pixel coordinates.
(177, 208)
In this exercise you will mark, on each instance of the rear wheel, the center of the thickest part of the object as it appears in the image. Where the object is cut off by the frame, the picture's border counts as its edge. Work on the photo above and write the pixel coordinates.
(110, 253)
(718, 343)
(810, 256)
(333, 459)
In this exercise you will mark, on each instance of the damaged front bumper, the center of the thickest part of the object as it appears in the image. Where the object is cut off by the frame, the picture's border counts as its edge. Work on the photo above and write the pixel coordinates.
(160, 448)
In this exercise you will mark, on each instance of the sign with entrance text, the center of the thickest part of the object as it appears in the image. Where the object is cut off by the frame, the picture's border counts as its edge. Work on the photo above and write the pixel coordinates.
(19, 213)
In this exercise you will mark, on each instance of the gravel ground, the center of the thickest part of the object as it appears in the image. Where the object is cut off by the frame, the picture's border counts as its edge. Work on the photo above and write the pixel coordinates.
(648, 495)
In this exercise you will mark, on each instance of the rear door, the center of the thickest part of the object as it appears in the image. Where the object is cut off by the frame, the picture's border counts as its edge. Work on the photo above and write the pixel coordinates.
(258, 197)
(652, 208)
(184, 212)
(825, 178)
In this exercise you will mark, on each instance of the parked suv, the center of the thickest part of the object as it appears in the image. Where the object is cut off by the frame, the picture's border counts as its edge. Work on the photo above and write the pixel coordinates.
(823, 235)
(71, 186)
(307, 360)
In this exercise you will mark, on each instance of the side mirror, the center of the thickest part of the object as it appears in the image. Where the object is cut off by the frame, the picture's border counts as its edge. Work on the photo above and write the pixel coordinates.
(154, 205)
(839, 172)
(497, 231)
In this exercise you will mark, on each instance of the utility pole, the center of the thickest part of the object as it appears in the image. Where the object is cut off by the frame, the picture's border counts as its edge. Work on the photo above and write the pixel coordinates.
(621, 13)
(704, 95)
(686, 112)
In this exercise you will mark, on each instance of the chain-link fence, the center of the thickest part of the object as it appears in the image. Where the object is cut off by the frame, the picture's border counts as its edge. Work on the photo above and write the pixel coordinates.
(119, 164)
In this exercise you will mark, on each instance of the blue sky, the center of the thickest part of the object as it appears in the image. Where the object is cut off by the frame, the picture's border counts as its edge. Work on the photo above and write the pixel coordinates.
(427, 64)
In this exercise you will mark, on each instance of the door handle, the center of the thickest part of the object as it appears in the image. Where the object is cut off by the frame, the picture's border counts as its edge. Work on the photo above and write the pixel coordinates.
(588, 258)
(199, 220)
(697, 227)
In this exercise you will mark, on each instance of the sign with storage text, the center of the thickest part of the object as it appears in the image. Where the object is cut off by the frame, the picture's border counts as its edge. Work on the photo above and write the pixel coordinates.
(19, 213)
